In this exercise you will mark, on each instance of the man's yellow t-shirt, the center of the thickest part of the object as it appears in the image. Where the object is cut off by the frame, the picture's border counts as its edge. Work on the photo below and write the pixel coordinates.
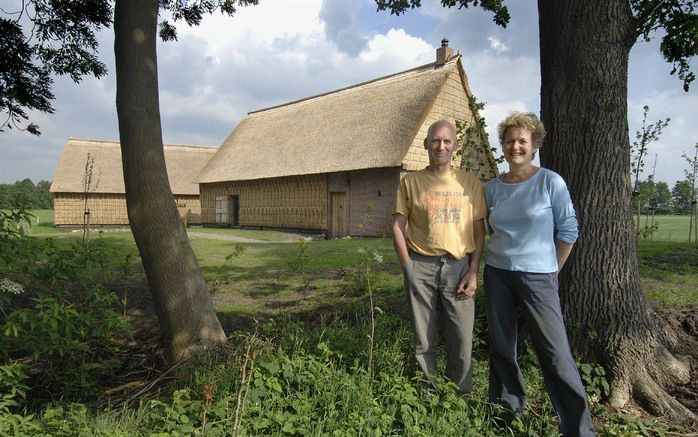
(440, 210)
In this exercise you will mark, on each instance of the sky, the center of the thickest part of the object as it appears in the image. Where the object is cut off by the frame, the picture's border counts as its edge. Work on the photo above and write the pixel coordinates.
(281, 50)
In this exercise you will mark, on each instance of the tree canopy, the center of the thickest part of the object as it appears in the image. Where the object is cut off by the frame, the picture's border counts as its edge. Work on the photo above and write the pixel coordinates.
(676, 18)
(60, 40)
(25, 194)
(681, 196)
(44, 38)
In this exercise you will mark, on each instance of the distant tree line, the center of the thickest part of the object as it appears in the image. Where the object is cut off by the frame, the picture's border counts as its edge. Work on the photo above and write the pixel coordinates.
(24, 194)
(657, 196)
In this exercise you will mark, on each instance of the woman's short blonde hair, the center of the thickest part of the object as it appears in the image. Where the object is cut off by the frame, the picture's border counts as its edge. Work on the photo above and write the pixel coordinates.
(526, 120)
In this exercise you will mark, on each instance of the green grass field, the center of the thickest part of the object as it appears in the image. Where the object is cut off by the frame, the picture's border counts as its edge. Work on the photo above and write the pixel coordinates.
(669, 227)
(266, 275)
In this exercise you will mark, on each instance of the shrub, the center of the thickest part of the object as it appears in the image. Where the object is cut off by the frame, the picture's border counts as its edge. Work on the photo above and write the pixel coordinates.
(53, 318)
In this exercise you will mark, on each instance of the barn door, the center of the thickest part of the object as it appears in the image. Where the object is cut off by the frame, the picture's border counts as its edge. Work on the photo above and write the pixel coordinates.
(338, 206)
(234, 214)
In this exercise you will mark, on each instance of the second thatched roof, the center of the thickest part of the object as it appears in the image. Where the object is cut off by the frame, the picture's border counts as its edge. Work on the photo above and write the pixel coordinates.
(183, 165)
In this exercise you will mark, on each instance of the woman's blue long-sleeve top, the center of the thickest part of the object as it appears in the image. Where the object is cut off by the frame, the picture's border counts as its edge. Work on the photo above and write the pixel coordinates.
(525, 220)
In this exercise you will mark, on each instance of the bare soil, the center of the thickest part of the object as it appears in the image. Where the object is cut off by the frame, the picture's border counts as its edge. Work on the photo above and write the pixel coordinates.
(684, 321)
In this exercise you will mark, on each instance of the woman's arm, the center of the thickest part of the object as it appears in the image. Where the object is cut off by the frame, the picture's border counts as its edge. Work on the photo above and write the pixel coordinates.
(563, 251)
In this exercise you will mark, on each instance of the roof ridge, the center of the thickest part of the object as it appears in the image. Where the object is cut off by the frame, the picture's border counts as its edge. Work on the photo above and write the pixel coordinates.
(116, 143)
(453, 59)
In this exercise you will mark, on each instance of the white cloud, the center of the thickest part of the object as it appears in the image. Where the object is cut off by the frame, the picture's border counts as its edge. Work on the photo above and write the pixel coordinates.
(397, 48)
(497, 45)
(255, 26)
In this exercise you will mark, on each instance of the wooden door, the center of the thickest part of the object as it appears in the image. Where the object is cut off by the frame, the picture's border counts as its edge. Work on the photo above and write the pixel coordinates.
(338, 225)
(234, 213)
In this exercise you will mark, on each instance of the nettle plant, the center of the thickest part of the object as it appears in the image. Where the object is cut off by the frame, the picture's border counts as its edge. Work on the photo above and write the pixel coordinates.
(56, 324)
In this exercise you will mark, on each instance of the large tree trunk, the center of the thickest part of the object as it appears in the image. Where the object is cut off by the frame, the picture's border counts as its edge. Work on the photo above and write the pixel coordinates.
(187, 319)
(584, 49)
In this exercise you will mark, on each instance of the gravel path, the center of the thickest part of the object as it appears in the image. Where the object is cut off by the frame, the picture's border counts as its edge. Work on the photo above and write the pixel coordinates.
(287, 237)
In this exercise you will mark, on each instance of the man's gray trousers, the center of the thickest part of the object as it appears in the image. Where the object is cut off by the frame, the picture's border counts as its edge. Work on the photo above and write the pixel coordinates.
(431, 286)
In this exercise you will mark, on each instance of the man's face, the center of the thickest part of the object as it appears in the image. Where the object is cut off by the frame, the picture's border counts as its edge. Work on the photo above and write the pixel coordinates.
(441, 145)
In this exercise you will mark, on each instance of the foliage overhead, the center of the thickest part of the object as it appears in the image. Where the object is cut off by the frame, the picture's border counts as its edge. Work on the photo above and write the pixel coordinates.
(193, 12)
(59, 37)
(23, 85)
(61, 40)
(501, 12)
(676, 18)
(680, 22)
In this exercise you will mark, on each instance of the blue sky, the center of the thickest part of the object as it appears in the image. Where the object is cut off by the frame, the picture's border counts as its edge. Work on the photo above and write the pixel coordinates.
(283, 50)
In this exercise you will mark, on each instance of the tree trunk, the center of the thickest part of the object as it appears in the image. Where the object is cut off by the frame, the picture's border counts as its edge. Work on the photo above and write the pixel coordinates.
(584, 49)
(184, 308)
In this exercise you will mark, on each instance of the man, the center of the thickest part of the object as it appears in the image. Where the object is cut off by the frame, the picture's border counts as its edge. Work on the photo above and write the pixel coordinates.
(438, 234)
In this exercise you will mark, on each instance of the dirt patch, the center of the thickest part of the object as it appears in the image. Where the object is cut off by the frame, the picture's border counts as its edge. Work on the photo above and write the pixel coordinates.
(684, 321)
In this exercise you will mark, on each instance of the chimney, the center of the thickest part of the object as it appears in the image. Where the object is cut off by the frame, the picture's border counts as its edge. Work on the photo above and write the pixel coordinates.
(444, 53)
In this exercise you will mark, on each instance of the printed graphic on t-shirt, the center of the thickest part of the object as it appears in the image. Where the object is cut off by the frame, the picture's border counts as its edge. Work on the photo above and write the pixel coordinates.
(444, 206)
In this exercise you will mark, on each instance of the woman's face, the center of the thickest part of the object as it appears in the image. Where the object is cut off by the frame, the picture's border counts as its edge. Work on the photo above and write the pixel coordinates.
(517, 146)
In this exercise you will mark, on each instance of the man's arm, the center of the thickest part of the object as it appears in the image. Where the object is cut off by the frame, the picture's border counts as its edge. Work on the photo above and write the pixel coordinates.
(563, 251)
(400, 238)
(468, 284)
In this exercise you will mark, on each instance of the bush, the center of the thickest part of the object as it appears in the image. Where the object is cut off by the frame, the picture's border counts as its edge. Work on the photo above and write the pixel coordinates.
(53, 319)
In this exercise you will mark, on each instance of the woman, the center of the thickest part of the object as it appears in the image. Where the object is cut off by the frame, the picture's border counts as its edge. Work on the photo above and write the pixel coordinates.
(533, 226)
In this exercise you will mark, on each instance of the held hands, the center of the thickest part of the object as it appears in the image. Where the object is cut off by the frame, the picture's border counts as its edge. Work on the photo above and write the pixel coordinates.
(467, 286)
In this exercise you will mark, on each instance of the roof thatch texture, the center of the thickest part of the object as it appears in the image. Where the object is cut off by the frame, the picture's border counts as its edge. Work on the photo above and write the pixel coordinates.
(369, 125)
(183, 165)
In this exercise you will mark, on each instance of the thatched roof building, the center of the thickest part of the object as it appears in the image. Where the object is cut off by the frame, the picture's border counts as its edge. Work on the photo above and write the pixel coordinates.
(332, 162)
(104, 190)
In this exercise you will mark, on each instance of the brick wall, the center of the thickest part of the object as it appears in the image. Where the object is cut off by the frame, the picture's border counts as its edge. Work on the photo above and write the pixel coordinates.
(290, 202)
(451, 104)
(301, 202)
(110, 209)
(105, 209)
(375, 187)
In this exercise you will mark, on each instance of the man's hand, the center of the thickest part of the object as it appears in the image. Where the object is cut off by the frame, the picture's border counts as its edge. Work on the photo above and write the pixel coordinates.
(467, 285)
(400, 239)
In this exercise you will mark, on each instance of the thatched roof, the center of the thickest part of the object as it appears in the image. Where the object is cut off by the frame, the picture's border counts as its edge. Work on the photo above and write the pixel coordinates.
(183, 165)
(369, 125)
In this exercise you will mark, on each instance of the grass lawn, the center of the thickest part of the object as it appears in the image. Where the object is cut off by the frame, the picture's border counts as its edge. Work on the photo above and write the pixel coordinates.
(669, 272)
(273, 277)
(669, 227)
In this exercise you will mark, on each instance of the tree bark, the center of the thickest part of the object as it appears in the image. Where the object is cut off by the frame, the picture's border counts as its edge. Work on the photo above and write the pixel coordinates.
(584, 50)
(184, 308)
